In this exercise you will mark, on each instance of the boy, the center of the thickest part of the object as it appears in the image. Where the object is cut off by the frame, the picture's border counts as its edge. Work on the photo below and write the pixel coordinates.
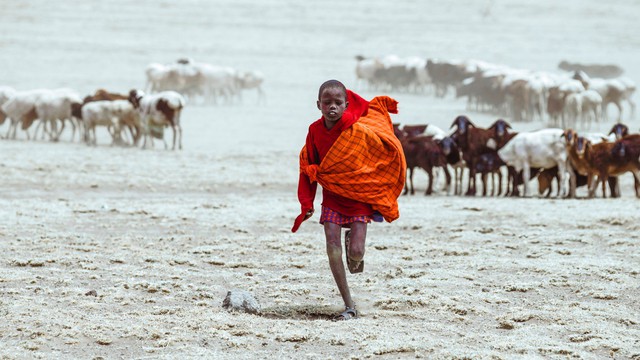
(344, 156)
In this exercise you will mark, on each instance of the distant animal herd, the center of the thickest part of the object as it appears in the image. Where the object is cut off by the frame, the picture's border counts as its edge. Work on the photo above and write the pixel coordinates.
(575, 97)
(130, 119)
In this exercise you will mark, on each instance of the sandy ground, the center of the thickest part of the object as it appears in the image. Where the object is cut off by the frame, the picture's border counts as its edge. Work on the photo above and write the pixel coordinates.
(112, 252)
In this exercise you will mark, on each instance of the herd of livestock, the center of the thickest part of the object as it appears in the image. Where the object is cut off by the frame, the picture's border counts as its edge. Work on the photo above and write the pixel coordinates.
(574, 97)
(563, 157)
(132, 118)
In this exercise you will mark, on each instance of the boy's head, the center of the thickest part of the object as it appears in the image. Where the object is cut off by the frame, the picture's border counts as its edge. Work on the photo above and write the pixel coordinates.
(332, 101)
(335, 84)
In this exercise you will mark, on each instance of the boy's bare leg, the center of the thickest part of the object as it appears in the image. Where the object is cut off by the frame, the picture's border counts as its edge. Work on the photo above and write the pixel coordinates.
(357, 240)
(333, 234)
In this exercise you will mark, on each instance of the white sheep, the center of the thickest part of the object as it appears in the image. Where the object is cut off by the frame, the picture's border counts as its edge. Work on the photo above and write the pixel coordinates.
(219, 81)
(572, 109)
(157, 111)
(6, 93)
(366, 70)
(540, 149)
(247, 80)
(108, 113)
(20, 108)
(614, 91)
(55, 106)
(591, 107)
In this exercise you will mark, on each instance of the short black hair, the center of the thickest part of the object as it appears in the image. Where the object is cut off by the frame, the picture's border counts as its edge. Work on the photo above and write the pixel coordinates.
(332, 84)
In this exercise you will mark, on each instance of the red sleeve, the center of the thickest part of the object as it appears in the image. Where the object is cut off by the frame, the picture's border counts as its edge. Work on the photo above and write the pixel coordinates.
(306, 188)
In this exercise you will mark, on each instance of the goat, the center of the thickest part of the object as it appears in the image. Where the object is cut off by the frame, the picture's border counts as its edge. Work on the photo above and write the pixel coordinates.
(619, 130)
(579, 166)
(429, 155)
(490, 164)
(537, 149)
(474, 141)
(612, 159)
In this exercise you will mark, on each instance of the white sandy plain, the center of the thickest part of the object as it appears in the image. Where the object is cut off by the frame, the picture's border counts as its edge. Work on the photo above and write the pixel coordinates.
(159, 237)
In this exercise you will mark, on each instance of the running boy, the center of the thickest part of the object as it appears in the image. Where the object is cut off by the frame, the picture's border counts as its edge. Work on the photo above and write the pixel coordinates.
(360, 179)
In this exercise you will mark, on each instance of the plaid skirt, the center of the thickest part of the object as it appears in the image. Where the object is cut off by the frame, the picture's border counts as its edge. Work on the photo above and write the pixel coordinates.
(335, 217)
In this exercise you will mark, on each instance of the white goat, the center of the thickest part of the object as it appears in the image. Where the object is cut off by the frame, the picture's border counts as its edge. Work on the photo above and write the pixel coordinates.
(540, 149)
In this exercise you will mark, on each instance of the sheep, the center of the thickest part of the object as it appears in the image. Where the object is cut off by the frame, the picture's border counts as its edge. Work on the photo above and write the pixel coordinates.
(591, 107)
(157, 111)
(585, 106)
(127, 121)
(612, 159)
(251, 80)
(445, 74)
(595, 70)
(6, 93)
(20, 108)
(573, 109)
(613, 91)
(366, 69)
(108, 114)
(537, 149)
(56, 106)
(219, 81)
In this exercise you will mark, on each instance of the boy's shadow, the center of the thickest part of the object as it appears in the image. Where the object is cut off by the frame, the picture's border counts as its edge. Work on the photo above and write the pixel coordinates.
(300, 312)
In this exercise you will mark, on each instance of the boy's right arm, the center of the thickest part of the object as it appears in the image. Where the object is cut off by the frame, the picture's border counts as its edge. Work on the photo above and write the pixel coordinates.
(306, 195)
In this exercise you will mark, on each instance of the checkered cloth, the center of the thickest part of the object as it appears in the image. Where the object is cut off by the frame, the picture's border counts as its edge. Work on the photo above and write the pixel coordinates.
(335, 217)
(366, 163)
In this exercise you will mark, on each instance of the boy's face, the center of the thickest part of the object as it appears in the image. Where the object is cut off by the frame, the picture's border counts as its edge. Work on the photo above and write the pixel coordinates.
(332, 103)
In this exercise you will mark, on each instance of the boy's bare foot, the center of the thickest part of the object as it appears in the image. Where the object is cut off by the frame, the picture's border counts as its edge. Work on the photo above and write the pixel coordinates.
(347, 314)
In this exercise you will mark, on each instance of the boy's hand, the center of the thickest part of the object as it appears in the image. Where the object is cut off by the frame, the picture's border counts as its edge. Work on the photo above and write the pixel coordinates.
(302, 217)
(308, 214)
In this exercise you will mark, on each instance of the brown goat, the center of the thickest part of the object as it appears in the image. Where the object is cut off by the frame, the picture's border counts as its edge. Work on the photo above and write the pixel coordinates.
(613, 159)
(620, 130)
(580, 166)
(429, 155)
(474, 141)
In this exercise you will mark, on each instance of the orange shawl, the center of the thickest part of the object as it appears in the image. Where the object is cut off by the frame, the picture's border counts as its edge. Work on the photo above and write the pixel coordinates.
(366, 163)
